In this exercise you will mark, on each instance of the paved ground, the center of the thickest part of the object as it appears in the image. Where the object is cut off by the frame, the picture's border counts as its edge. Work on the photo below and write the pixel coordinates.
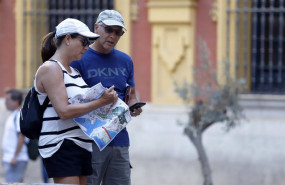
(251, 154)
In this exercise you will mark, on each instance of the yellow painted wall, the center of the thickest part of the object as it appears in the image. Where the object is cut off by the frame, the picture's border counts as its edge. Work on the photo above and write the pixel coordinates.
(173, 26)
(221, 37)
(30, 28)
(19, 45)
(124, 7)
(231, 45)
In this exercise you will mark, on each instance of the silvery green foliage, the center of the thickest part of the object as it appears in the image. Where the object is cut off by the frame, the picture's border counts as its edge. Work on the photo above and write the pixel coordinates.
(213, 102)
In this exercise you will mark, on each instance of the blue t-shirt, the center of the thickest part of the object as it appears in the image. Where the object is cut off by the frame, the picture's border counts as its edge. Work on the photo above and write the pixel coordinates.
(115, 68)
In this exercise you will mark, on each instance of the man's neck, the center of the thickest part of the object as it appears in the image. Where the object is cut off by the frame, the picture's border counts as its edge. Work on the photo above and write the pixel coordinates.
(97, 47)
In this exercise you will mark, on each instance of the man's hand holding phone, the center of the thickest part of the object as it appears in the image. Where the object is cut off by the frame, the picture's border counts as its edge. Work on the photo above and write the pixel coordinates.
(135, 109)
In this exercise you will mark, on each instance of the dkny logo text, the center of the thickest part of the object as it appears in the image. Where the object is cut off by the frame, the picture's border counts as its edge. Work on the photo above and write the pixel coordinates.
(106, 72)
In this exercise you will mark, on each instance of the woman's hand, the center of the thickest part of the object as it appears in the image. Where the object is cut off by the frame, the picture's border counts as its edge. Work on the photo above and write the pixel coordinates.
(109, 96)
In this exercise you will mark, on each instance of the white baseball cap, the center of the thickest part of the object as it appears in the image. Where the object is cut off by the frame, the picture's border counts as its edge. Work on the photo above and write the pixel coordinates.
(111, 18)
(69, 26)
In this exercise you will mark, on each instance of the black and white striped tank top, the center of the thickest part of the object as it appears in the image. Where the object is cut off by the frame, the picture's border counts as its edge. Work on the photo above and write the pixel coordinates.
(55, 130)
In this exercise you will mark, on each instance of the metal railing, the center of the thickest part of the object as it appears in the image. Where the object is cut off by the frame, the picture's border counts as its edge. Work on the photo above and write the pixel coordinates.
(259, 27)
(42, 16)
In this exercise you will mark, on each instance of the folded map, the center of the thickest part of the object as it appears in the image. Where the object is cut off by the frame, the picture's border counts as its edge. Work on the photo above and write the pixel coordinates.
(104, 123)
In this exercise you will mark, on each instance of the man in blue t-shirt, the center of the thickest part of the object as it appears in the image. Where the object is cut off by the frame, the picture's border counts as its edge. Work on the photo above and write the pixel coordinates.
(103, 63)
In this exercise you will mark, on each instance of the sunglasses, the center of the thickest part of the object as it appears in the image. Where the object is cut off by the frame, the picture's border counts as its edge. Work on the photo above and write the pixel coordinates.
(109, 30)
(85, 41)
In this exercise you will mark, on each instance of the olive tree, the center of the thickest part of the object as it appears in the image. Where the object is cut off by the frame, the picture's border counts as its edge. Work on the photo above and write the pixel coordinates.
(209, 102)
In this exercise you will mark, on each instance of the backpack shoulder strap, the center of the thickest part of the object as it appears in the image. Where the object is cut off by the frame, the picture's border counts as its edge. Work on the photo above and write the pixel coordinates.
(45, 104)
(46, 101)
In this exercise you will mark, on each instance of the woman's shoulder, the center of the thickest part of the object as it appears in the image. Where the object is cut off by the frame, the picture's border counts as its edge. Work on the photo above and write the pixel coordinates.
(49, 67)
(50, 64)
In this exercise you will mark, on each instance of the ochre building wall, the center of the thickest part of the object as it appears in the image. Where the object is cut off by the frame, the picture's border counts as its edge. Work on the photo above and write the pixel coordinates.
(7, 46)
(141, 50)
(206, 29)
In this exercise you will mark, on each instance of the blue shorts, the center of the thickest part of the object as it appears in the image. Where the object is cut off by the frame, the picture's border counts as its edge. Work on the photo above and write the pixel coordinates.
(16, 172)
(69, 160)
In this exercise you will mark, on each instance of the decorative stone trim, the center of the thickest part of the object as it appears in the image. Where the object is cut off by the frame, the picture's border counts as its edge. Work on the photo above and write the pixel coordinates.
(214, 11)
(134, 10)
(172, 4)
(173, 28)
(171, 45)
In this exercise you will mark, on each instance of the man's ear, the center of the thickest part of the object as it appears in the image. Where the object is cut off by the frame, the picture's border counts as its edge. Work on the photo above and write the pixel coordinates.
(96, 26)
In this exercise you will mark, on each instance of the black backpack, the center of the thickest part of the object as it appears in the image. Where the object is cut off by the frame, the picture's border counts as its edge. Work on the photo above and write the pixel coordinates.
(31, 115)
(32, 147)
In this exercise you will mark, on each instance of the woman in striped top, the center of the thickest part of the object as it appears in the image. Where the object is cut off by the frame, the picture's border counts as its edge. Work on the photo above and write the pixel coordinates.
(65, 149)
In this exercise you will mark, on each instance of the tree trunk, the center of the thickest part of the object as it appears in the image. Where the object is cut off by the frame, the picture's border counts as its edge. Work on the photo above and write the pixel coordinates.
(205, 166)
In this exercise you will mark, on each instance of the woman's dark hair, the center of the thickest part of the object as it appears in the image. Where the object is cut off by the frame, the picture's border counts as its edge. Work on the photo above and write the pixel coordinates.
(50, 44)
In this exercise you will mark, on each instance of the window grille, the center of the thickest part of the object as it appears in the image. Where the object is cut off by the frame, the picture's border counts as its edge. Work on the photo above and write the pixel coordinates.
(41, 17)
(259, 27)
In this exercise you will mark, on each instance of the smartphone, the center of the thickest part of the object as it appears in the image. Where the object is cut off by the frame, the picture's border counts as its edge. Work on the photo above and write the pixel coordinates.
(136, 105)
